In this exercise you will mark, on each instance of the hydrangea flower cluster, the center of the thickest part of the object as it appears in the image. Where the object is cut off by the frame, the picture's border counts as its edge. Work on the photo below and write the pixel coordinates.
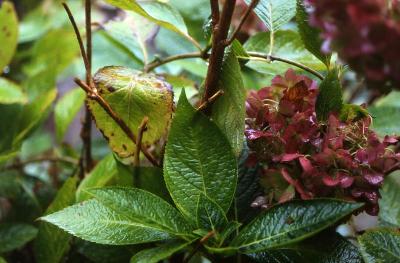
(366, 35)
(343, 159)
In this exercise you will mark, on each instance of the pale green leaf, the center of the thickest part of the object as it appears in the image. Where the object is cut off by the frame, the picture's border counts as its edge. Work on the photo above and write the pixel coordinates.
(157, 254)
(389, 209)
(132, 33)
(10, 92)
(380, 246)
(290, 222)
(198, 160)
(275, 13)
(13, 236)
(33, 113)
(54, 52)
(158, 12)
(132, 95)
(383, 111)
(229, 111)
(143, 207)
(288, 45)
(8, 33)
(2, 260)
(66, 109)
(52, 242)
(97, 223)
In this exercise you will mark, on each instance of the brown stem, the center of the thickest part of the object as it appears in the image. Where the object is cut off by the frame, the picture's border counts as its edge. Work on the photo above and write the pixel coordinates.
(142, 128)
(210, 100)
(220, 33)
(155, 64)
(199, 245)
(243, 19)
(214, 12)
(92, 94)
(53, 159)
(287, 61)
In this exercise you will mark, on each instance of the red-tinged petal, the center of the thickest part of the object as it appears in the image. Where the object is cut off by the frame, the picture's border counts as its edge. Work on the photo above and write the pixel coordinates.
(346, 181)
(290, 157)
(390, 139)
(306, 165)
(255, 134)
(330, 181)
(297, 185)
(362, 156)
(374, 178)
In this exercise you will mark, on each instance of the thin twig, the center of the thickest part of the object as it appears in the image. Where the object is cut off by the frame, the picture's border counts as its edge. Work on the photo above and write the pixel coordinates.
(85, 161)
(210, 100)
(199, 245)
(142, 128)
(157, 63)
(287, 61)
(243, 19)
(78, 36)
(92, 94)
(53, 159)
(220, 33)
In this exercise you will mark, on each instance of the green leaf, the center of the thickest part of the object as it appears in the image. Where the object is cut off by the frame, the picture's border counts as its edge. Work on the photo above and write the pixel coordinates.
(13, 236)
(310, 35)
(229, 111)
(198, 160)
(290, 222)
(383, 111)
(158, 254)
(108, 171)
(352, 112)
(33, 113)
(2, 260)
(151, 179)
(210, 215)
(132, 95)
(288, 45)
(328, 248)
(66, 109)
(51, 242)
(98, 253)
(158, 12)
(132, 33)
(8, 33)
(53, 53)
(103, 174)
(389, 210)
(19, 121)
(275, 13)
(10, 92)
(97, 223)
(248, 188)
(380, 245)
(143, 207)
(330, 96)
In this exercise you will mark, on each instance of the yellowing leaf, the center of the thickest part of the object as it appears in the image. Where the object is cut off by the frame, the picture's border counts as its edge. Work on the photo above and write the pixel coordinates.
(132, 95)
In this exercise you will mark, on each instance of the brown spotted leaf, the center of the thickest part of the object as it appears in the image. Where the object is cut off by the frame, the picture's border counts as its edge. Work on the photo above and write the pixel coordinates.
(132, 95)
